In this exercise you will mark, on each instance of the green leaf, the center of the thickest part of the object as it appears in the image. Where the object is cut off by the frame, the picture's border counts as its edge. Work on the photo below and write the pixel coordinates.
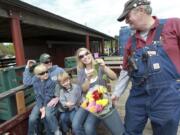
(104, 77)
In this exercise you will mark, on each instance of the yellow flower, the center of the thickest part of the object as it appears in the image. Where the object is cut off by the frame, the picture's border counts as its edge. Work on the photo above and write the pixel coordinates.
(92, 109)
(102, 89)
(91, 99)
(102, 102)
(84, 104)
(88, 95)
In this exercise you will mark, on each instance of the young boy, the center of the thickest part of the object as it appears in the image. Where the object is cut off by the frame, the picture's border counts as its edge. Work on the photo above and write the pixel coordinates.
(69, 98)
(44, 91)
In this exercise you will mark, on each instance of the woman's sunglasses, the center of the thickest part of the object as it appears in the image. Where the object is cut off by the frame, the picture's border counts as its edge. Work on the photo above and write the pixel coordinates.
(82, 56)
(43, 73)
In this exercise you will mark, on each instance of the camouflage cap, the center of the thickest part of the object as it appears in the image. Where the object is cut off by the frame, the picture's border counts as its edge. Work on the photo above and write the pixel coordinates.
(129, 5)
(44, 57)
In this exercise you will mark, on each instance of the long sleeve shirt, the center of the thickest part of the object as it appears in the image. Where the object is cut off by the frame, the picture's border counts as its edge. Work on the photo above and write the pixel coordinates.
(44, 91)
(121, 83)
(73, 95)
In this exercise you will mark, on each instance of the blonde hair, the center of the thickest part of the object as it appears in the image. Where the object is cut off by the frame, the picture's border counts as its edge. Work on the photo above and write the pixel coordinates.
(63, 76)
(81, 65)
(39, 69)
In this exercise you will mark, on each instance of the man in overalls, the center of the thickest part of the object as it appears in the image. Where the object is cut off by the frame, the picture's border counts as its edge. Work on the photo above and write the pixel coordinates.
(152, 63)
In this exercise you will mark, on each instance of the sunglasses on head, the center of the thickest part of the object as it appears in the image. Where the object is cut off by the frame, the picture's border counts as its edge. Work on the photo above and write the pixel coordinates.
(43, 73)
(47, 62)
(82, 56)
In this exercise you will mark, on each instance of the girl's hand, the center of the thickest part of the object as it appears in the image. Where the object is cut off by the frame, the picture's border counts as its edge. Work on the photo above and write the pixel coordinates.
(69, 104)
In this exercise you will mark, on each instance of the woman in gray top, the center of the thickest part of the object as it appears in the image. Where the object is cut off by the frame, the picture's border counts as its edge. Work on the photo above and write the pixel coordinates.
(89, 75)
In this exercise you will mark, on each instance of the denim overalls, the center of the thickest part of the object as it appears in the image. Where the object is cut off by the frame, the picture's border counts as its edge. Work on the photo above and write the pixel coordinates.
(155, 91)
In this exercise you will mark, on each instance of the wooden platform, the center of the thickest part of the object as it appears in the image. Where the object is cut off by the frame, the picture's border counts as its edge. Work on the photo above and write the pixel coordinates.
(114, 62)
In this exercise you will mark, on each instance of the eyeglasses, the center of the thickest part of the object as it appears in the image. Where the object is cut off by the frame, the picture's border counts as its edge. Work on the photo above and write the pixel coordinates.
(82, 56)
(47, 62)
(43, 73)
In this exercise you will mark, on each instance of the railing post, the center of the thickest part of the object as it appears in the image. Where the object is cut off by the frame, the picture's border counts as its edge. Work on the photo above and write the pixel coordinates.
(17, 38)
(20, 101)
(87, 42)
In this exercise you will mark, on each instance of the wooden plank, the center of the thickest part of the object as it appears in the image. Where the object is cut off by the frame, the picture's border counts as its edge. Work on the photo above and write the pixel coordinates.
(113, 62)
(20, 102)
(113, 58)
(12, 91)
(115, 67)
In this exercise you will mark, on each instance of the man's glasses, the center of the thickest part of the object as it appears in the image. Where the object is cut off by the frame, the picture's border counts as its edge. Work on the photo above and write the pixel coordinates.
(82, 56)
(47, 62)
(43, 73)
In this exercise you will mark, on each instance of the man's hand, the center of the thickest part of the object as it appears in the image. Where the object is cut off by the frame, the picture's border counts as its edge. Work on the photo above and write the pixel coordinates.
(115, 100)
(43, 112)
(53, 102)
(30, 63)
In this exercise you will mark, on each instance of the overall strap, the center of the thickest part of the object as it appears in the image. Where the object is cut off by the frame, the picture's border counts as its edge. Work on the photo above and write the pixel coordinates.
(158, 32)
(156, 37)
(133, 47)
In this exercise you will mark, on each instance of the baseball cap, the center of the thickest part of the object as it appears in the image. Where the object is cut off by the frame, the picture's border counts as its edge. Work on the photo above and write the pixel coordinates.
(44, 57)
(129, 5)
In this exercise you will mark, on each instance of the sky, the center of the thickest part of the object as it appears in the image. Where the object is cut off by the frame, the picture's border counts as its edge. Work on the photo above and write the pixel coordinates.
(102, 15)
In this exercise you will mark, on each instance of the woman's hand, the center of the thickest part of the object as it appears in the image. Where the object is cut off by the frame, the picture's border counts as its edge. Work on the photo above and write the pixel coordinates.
(110, 73)
(100, 62)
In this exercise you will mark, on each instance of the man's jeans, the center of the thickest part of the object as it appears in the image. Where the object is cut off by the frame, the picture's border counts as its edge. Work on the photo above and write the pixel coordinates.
(50, 121)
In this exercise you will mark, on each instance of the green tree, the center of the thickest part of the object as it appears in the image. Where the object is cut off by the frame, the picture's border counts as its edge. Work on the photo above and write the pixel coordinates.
(6, 49)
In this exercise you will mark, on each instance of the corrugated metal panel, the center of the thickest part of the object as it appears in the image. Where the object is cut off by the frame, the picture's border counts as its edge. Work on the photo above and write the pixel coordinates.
(124, 34)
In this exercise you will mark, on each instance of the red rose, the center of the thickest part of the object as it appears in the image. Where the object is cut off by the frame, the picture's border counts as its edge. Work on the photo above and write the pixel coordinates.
(96, 95)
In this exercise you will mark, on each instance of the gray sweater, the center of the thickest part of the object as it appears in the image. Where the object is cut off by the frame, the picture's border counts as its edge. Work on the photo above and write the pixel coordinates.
(73, 95)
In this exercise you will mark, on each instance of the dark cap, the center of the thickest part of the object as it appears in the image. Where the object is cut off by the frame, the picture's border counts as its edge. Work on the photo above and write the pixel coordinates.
(129, 5)
(44, 57)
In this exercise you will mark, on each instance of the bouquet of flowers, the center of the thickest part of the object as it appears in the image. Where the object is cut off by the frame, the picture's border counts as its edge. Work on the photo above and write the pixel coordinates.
(97, 101)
